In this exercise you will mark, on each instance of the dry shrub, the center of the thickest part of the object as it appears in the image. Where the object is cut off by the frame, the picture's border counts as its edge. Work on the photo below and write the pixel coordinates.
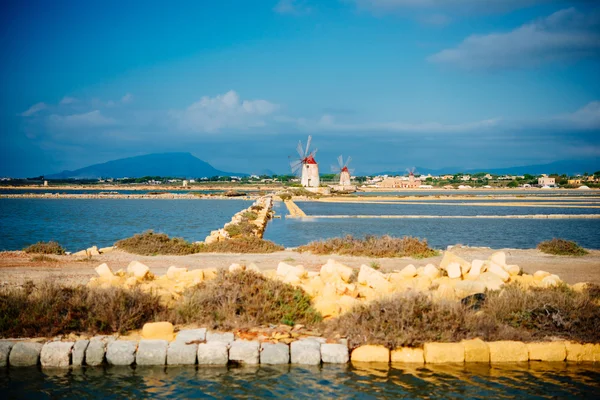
(513, 313)
(245, 244)
(45, 248)
(372, 246)
(49, 309)
(242, 228)
(151, 244)
(557, 311)
(43, 258)
(401, 321)
(561, 247)
(250, 215)
(243, 300)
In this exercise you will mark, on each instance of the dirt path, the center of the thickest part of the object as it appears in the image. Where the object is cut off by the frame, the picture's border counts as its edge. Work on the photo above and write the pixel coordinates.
(17, 267)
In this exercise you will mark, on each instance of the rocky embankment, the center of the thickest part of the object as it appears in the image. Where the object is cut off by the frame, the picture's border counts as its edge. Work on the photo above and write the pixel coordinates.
(161, 345)
(336, 288)
(258, 214)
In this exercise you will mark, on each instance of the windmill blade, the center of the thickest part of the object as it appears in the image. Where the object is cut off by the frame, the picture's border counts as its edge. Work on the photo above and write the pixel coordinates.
(307, 145)
(348, 161)
(340, 160)
(296, 165)
(351, 171)
(335, 169)
(313, 153)
(300, 149)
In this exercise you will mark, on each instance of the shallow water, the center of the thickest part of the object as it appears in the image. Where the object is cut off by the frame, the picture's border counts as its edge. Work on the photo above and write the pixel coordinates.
(495, 233)
(370, 381)
(324, 208)
(80, 223)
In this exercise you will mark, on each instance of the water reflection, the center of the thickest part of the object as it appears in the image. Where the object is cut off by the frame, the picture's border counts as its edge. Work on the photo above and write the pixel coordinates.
(543, 380)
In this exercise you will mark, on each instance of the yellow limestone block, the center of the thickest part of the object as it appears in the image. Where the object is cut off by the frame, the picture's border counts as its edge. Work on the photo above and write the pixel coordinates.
(346, 303)
(138, 269)
(327, 307)
(196, 275)
(158, 330)
(284, 269)
(104, 271)
(374, 279)
(475, 271)
(445, 292)
(577, 352)
(437, 353)
(550, 281)
(450, 257)
(539, 275)
(508, 351)
(498, 258)
(408, 272)
(253, 267)
(547, 351)
(513, 270)
(210, 273)
(370, 353)
(236, 267)
(454, 270)
(476, 350)
(408, 355)
(430, 271)
(175, 273)
(334, 270)
(580, 287)
(499, 271)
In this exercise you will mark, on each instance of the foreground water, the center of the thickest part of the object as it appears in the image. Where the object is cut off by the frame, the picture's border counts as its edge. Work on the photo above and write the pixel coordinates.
(81, 223)
(516, 381)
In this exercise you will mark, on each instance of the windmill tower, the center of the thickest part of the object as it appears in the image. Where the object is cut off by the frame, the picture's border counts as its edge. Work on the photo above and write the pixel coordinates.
(306, 165)
(342, 170)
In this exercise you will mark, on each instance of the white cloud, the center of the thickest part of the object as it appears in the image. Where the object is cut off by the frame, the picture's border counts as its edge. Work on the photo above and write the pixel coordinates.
(563, 36)
(328, 122)
(90, 119)
(128, 98)
(34, 109)
(586, 118)
(68, 100)
(292, 7)
(212, 114)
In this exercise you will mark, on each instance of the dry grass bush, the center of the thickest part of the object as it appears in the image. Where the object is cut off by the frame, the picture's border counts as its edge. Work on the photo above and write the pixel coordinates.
(561, 247)
(45, 248)
(151, 244)
(557, 311)
(510, 314)
(256, 207)
(43, 258)
(246, 244)
(250, 215)
(49, 309)
(372, 246)
(244, 300)
(243, 228)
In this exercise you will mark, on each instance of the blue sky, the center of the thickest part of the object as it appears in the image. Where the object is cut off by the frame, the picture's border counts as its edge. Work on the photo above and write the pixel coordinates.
(392, 83)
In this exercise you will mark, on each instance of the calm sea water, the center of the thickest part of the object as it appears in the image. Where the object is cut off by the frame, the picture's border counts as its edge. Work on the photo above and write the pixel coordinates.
(322, 208)
(80, 223)
(495, 233)
(513, 381)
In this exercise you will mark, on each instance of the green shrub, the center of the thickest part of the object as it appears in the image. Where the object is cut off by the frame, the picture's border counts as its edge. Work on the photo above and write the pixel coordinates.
(561, 247)
(250, 215)
(45, 248)
(43, 258)
(243, 228)
(151, 244)
(244, 300)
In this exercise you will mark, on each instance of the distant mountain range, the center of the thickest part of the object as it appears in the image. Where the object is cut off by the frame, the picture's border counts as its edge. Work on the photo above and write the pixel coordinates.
(181, 165)
(569, 167)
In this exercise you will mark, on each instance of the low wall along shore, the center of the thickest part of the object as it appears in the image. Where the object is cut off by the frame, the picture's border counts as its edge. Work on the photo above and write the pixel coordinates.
(160, 345)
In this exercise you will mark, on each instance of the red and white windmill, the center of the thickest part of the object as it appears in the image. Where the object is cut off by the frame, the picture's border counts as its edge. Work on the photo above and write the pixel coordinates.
(306, 166)
(343, 171)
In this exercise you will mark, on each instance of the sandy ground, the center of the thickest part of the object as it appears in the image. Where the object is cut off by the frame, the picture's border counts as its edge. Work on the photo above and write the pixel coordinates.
(17, 267)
